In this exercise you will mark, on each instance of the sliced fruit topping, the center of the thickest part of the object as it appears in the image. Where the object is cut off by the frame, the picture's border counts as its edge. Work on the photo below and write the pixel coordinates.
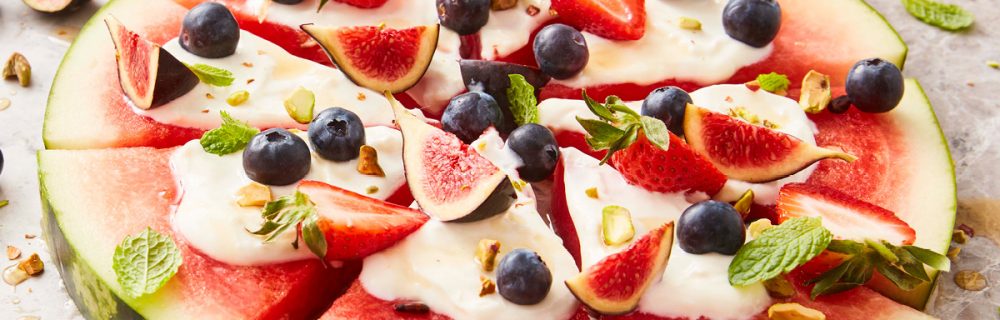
(668, 105)
(748, 152)
(711, 226)
(54, 6)
(448, 179)
(486, 254)
(376, 57)
(875, 85)
(299, 104)
(337, 134)
(209, 30)
(616, 225)
(149, 75)
(469, 114)
(276, 157)
(611, 19)
(560, 51)
(754, 22)
(368, 162)
(523, 277)
(845, 216)
(465, 17)
(615, 284)
(538, 150)
(493, 78)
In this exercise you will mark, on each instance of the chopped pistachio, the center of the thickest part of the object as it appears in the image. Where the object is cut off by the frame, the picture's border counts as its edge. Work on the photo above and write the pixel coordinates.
(17, 66)
(4, 203)
(743, 113)
(592, 193)
(499, 5)
(13, 275)
(689, 23)
(793, 311)
(970, 280)
(770, 125)
(371, 189)
(779, 288)
(486, 253)
(13, 252)
(248, 64)
(32, 265)
(299, 105)
(816, 94)
(993, 64)
(758, 227)
(616, 225)
(238, 98)
(209, 96)
(368, 162)
(362, 96)
(486, 286)
(411, 307)
(959, 236)
(29, 236)
(532, 10)
(4, 103)
(953, 253)
(253, 195)
(518, 185)
(745, 202)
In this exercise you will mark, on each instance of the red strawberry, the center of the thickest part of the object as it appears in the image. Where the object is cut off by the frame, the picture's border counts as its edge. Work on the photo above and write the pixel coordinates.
(676, 169)
(356, 226)
(367, 4)
(845, 216)
(611, 19)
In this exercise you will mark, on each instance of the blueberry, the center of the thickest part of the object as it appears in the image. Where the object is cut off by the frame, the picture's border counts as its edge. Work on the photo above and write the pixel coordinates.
(337, 134)
(210, 31)
(711, 226)
(754, 22)
(465, 17)
(538, 151)
(276, 157)
(288, 1)
(523, 278)
(668, 105)
(561, 51)
(840, 104)
(875, 85)
(469, 114)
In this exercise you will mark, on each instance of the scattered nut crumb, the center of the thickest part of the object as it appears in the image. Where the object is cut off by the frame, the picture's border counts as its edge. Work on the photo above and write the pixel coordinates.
(362, 96)
(954, 252)
(970, 280)
(4, 104)
(499, 5)
(687, 23)
(17, 66)
(368, 162)
(238, 98)
(486, 286)
(206, 110)
(32, 265)
(248, 64)
(591, 193)
(209, 95)
(793, 311)
(779, 287)
(993, 64)
(959, 236)
(251, 80)
(372, 189)
(532, 10)
(13, 252)
(29, 236)
(518, 185)
(486, 253)
(253, 195)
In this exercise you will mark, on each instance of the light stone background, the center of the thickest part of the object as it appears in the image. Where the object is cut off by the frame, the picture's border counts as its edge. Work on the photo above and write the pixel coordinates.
(951, 67)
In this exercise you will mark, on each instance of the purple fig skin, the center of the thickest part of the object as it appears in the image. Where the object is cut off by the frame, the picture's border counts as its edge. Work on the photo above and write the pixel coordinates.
(502, 197)
(173, 79)
(62, 6)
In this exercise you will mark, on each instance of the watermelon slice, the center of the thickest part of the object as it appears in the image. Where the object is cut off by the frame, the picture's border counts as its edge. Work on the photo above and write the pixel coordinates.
(95, 198)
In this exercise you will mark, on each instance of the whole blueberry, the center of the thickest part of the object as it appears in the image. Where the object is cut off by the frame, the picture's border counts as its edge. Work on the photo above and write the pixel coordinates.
(754, 22)
(209, 30)
(337, 134)
(276, 157)
(523, 278)
(561, 51)
(465, 17)
(288, 1)
(875, 85)
(711, 226)
(668, 105)
(471, 113)
(538, 150)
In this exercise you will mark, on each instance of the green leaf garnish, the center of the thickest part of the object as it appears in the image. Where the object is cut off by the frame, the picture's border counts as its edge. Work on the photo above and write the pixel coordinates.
(618, 126)
(779, 250)
(904, 266)
(942, 15)
(211, 75)
(930, 258)
(289, 212)
(232, 136)
(523, 103)
(773, 82)
(145, 262)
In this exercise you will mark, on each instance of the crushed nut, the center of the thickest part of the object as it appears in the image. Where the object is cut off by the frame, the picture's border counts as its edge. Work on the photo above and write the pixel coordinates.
(29, 236)
(32, 265)
(591, 193)
(970, 280)
(299, 104)
(362, 96)
(368, 162)
(816, 94)
(993, 64)
(779, 288)
(687, 23)
(248, 64)
(793, 311)
(486, 253)
(411, 307)
(251, 80)
(13, 275)
(758, 227)
(616, 225)
(209, 96)
(532, 10)
(959, 236)
(770, 125)
(253, 195)
(499, 5)
(743, 113)
(4, 104)
(744, 204)
(13, 252)
(953, 253)
(518, 185)
(486, 286)
(17, 66)
(238, 98)
(371, 189)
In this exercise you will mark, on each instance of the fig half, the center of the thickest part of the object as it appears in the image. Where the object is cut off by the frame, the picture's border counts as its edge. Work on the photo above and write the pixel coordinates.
(149, 75)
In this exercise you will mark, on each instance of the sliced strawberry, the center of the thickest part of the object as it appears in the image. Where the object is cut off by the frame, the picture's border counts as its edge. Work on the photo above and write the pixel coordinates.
(676, 169)
(367, 4)
(845, 216)
(356, 226)
(611, 19)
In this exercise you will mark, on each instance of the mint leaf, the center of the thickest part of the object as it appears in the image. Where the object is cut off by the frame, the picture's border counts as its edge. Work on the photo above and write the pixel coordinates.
(145, 262)
(898, 264)
(779, 250)
(232, 136)
(523, 103)
(289, 212)
(773, 82)
(211, 75)
(853, 272)
(945, 16)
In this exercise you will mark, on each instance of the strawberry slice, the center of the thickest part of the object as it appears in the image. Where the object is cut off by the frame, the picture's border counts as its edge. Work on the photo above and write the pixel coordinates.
(366, 4)
(611, 19)
(845, 216)
(356, 226)
(676, 169)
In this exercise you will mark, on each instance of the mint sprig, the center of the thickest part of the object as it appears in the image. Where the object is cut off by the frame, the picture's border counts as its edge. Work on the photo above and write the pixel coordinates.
(289, 212)
(773, 82)
(618, 127)
(779, 250)
(211, 75)
(232, 136)
(523, 103)
(942, 15)
(145, 262)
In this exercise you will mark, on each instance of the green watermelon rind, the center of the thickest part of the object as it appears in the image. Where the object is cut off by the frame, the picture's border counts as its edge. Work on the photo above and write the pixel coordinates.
(901, 60)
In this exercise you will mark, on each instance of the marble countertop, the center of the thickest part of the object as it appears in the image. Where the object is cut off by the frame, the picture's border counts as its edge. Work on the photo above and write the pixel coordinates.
(950, 66)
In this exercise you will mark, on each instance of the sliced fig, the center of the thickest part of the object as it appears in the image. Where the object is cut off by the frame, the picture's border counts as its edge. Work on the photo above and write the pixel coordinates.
(450, 180)
(54, 6)
(614, 285)
(748, 152)
(376, 57)
(493, 78)
(149, 75)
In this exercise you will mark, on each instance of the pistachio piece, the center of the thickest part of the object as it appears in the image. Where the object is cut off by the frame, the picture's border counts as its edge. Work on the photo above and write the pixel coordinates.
(13, 252)
(687, 23)
(793, 311)
(498, 5)
(32, 265)
(758, 227)
(744, 204)
(372, 189)
(779, 288)
(959, 236)
(299, 105)
(953, 253)
(253, 195)
(743, 113)
(486, 253)
(486, 286)
(238, 98)
(17, 66)
(13, 275)
(970, 280)
(591, 193)
(368, 162)
(816, 93)
(616, 225)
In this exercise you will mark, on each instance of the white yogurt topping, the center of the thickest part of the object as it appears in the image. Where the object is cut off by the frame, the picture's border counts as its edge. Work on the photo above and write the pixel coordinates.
(668, 52)
(269, 74)
(689, 280)
(210, 219)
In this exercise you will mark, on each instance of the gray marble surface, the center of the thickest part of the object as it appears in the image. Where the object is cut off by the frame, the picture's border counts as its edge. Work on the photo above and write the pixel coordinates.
(951, 66)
